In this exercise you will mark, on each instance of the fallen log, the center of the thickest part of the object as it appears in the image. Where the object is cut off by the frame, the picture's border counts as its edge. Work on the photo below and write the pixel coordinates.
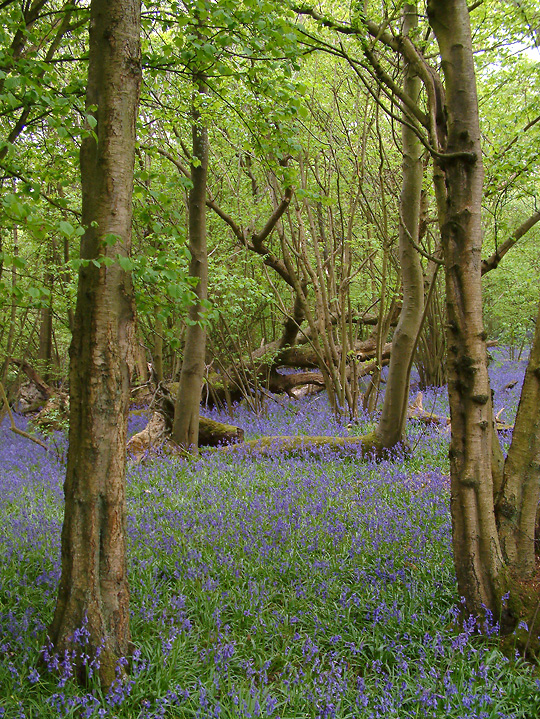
(303, 445)
(157, 433)
(305, 356)
(218, 390)
(287, 383)
(157, 436)
(417, 412)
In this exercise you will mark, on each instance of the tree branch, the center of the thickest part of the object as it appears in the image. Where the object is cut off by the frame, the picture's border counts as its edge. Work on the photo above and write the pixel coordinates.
(492, 262)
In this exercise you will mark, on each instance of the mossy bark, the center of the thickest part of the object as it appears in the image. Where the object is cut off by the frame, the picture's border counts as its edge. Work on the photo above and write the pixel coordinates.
(517, 507)
(302, 445)
(157, 435)
(480, 568)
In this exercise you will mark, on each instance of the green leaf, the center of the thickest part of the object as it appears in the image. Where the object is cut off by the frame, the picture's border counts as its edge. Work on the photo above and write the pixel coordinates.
(66, 228)
(174, 291)
(126, 263)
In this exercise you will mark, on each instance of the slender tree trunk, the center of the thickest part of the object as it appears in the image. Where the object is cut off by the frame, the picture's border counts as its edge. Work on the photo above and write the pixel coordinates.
(13, 312)
(157, 354)
(291, 326)
(93, 584)
(518, 504)
(45, 350)
(477, 553)
(46, 341)
(186, 418)
(391, 427)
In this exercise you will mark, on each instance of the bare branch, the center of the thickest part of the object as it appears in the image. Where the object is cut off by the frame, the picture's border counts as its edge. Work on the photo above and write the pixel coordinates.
(492, 262)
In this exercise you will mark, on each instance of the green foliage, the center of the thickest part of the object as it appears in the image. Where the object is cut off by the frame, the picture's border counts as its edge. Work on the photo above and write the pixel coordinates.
(511, 293)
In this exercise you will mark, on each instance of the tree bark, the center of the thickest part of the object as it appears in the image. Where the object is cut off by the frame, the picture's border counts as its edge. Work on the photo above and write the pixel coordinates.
(157, 354)
(12, 314)
(391, 427)
(186, 419)
(93, 585)
(518, 504)
(45, 350)
(477, 552)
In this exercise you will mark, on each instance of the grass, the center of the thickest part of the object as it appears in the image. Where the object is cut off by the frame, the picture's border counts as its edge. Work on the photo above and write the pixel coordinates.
(265, 587)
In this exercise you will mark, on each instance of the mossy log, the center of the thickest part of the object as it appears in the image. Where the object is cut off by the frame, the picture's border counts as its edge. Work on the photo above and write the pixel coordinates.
(303, 445)
(306, 357)
(157, 436)
(219, 390)
(157, 433)
(213, 434)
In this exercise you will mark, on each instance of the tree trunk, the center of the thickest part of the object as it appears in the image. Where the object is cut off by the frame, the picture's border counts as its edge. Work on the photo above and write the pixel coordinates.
(157, 354)
(391, 427)
(45, 346)
(186, 419)
(46, 338)
(93, 584)
(13, 312)
(518, 504)
(291, 326)
(477, 553)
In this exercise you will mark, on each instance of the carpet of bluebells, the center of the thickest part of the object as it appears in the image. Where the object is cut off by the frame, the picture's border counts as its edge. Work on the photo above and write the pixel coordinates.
(265, 587)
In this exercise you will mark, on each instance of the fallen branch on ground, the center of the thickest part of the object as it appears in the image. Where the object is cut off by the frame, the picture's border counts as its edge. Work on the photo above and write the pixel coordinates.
(13, 426)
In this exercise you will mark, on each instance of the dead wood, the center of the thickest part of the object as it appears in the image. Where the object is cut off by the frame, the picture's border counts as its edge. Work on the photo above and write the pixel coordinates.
(45, 389)
(13, 426)
(302, 445)
(417, 412)
(220, 388)
(157, 433)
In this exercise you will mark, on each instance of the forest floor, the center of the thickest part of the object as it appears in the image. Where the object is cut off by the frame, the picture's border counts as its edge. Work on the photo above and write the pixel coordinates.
(267, 587)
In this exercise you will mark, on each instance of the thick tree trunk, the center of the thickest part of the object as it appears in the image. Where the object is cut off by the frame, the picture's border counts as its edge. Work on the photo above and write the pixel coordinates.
(477, 553)
(186, 419)
(391, 427)
(93, 584)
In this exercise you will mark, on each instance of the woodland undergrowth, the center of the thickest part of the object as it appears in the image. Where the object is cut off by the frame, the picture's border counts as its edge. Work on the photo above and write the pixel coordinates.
(265, 587)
